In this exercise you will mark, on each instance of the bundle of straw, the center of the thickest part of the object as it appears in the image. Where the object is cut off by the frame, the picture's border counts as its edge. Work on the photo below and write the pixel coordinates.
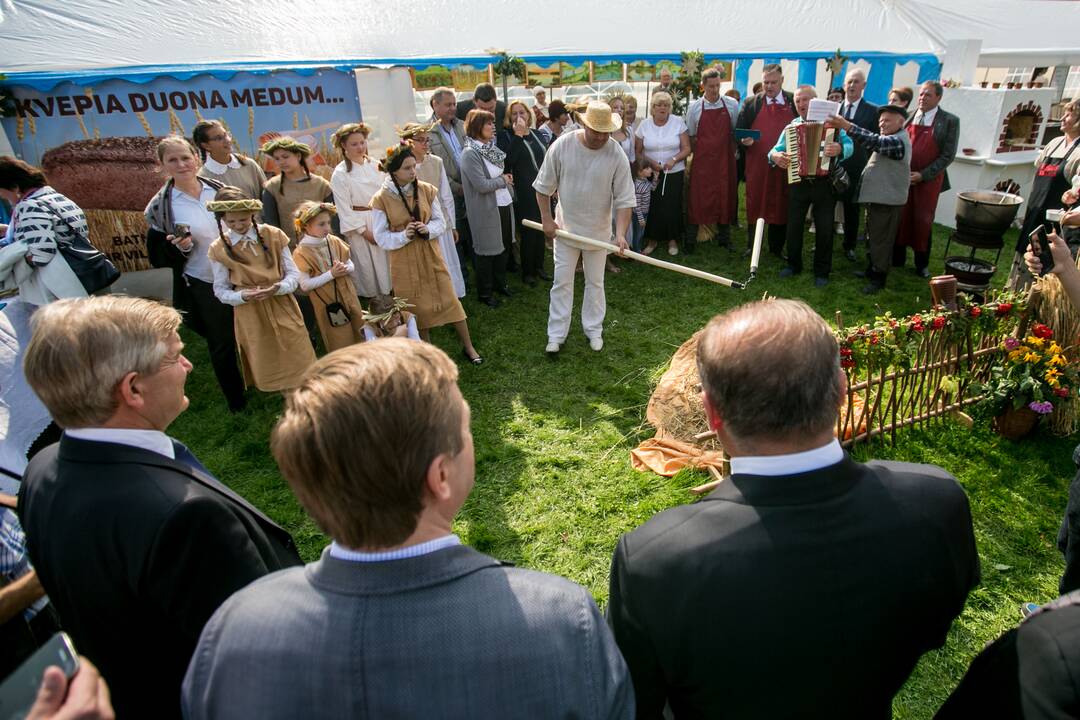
(1056, 310)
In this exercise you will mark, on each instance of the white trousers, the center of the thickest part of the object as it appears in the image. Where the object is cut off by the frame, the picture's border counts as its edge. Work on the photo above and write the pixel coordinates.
(593, 305)
(371, 266)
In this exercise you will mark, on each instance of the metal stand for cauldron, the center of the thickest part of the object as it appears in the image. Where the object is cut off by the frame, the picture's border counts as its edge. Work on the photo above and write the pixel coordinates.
(982, 217)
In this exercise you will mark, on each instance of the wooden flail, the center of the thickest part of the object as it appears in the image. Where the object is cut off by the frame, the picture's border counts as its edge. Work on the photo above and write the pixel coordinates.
(805, 148)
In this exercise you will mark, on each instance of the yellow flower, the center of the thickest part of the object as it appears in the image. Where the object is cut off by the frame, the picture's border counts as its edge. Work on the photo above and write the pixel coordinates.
(1034, 341)
(1031, 357)
(1016, 354)
(1054, 348)
(1058, 360)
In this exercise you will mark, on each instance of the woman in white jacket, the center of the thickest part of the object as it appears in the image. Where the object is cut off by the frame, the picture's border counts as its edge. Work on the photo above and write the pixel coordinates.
(355, 181)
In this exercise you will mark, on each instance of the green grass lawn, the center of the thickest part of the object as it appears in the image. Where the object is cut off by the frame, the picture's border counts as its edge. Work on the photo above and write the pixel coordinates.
(554, 484)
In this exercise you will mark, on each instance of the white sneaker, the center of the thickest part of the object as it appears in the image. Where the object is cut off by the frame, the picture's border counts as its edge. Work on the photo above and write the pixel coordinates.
(552, 348)
(596, 343)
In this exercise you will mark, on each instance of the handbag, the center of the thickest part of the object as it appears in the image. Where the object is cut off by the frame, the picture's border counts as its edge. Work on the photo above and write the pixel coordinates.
(335, 311)
(93, 268)
(839, 178)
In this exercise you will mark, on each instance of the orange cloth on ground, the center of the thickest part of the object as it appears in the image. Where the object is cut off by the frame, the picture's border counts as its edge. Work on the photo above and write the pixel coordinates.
(667, 456)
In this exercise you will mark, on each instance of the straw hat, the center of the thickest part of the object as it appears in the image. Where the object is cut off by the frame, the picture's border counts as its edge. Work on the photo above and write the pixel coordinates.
(598, 118)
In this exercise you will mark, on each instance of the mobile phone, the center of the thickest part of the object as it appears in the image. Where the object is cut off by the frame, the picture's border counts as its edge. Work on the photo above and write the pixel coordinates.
(1041, 245)
(182, 229)
(20, 689)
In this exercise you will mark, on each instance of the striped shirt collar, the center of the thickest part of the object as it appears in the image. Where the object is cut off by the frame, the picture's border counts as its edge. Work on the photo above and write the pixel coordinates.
(425, 548)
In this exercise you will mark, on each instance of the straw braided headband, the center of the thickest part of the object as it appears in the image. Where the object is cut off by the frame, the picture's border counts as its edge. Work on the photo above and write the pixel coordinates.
(411, 130)
(339, 136)
(399, 305)
(286, 143)
(310, 212)
(224, 206)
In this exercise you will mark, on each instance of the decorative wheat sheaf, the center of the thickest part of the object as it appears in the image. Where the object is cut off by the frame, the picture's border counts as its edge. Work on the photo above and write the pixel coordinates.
(910, 371)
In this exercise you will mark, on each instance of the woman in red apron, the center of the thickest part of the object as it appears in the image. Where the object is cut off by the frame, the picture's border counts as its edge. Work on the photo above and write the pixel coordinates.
(713, 179)
(917, 218)
(766, 186)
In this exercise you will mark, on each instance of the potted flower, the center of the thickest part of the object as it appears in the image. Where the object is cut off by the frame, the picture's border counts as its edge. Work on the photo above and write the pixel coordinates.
(1032, 375)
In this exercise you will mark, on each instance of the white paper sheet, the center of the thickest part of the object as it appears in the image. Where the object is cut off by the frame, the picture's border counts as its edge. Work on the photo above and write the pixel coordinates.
(822, 110)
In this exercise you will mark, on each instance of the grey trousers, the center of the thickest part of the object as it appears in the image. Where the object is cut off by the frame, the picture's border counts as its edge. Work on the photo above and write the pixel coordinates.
(882, 223)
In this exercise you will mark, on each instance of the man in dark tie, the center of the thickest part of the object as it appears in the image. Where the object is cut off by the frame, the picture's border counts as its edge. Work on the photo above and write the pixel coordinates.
(135, 542)
(807, 584)
(934, 135)
(859, 112)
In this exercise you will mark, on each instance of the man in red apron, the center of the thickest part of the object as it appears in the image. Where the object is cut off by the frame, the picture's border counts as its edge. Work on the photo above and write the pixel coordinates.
(710, 122)
(768, 112)
(934, 136)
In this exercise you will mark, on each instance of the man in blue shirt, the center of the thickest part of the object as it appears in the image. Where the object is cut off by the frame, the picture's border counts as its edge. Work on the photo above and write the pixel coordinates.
(812, 192)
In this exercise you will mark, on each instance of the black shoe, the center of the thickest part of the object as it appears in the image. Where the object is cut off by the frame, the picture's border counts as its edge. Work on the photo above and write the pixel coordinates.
(850, 255)
(922, 272)
(861, 274)
(872, 289)
(820, 282)
(491, 302)
(530, 281)
(543, 276)
(504, 291)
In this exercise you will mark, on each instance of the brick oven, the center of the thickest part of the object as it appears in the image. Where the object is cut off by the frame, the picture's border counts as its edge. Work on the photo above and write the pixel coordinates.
(1020, 128)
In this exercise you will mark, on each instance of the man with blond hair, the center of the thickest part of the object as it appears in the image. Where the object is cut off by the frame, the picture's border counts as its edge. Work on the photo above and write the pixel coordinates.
(135, 541)
(398, 618)
(806, 584)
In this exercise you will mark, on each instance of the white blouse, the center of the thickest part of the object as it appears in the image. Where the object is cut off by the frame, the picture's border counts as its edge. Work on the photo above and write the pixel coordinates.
(388, 240)
(309, 283)
(355, 188)
(502, 195)
(661, 142)
(204, 229)
(224, 289)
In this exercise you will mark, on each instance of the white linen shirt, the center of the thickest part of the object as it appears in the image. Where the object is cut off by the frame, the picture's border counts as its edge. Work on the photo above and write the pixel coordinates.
(693, 113)
(204, 229)
(926, 118)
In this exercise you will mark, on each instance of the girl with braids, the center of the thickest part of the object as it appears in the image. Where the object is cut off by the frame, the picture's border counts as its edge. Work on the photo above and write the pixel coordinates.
(292, 187)
(255, 274)
(221, 164)
(407, 219)
(355, 181)
(325, 274)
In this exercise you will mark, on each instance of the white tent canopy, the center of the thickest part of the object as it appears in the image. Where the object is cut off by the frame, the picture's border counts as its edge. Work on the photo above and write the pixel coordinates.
(58, 36)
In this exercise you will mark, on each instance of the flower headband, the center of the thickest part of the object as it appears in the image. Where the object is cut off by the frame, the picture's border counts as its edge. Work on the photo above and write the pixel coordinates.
(343, 132)
(392, 153)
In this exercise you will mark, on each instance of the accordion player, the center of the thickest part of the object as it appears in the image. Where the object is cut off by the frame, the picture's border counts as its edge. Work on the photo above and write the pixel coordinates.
(805, 143)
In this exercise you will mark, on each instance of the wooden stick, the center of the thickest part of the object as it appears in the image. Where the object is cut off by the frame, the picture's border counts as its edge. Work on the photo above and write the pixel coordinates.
(707, 435)
(590, 243)
(709, 486)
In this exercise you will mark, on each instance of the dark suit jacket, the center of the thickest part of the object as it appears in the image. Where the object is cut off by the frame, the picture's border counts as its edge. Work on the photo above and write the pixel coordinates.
(136, 551)
(465, 106)
(866, 117)
(809, 595)
(947, 137)
(450, 164)
(450, 634)
(752, 106)
(1032, 671)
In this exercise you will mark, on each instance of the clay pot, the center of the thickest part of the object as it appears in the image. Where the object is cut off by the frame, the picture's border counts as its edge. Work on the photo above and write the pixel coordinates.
(1015, 423)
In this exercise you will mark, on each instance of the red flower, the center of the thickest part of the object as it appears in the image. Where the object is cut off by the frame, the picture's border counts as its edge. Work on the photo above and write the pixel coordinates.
(847, 363)
(1041, 331)
(874, 339)
(917, 327)
(845, 352)
(1061, 392)
(893, 323)
(939, 322)
(976, 311)
(1004, 308)
(917, 319)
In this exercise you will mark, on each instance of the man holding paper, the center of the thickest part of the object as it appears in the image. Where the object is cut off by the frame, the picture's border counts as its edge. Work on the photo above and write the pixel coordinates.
(767, 113)
(811, 192)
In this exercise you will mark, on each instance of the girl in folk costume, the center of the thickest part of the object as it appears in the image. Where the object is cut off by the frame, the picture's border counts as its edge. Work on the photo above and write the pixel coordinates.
(325, 274)
(389, 318)
(221, 164)
(429, 169)
(292, 187)
(255, 274)
(407, 220)
(355, 181)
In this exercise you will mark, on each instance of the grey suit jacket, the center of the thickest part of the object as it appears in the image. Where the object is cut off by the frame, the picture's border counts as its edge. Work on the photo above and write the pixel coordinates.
(451, 634)
(440, 147)
(947, 137)
(482, 208)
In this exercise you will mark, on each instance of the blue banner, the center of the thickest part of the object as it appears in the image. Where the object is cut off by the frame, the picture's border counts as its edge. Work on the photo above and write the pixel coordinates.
(254, 107)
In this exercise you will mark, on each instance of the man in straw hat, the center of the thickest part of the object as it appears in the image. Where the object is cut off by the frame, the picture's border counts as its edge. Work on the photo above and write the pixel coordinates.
(590, 172)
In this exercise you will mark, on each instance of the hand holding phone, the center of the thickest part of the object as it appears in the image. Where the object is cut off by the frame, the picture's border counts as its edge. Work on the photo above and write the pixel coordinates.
(20, 689)
(1040, 246)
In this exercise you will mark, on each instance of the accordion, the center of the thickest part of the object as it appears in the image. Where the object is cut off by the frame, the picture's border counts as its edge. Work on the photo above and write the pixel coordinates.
(805, 150)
